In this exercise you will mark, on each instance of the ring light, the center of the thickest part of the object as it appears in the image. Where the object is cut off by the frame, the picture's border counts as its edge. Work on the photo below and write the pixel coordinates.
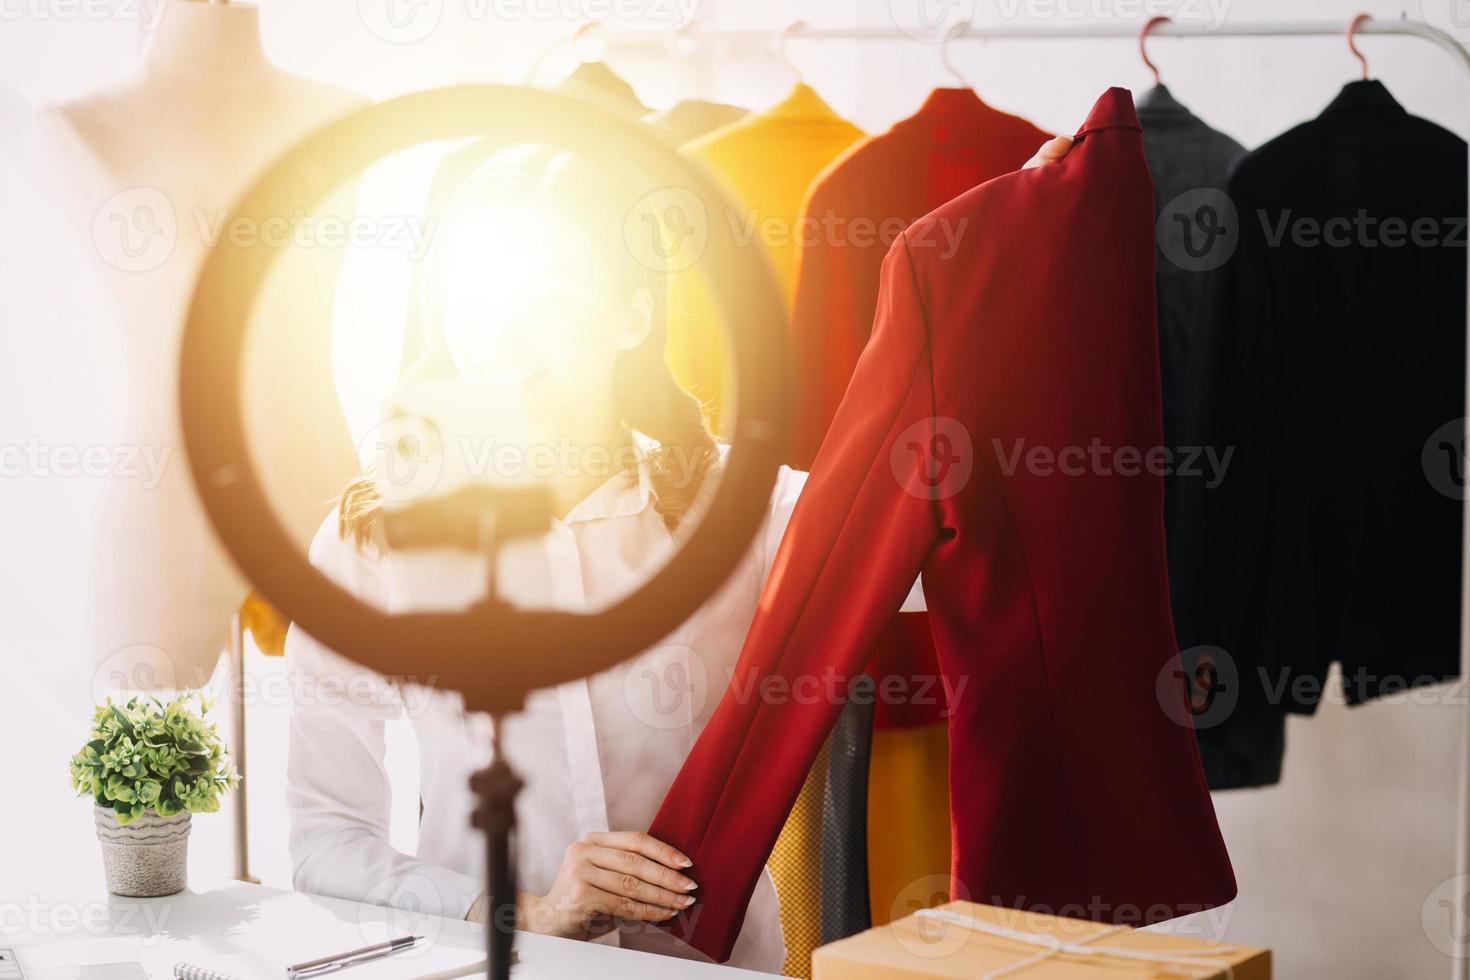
(492, 653)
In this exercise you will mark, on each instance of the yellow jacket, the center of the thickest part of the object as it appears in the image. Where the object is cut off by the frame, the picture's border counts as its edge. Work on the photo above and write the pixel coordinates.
(767, 161)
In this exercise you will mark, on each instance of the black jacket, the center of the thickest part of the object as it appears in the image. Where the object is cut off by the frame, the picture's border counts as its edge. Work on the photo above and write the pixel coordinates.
(1333, 366)
(1190, 163)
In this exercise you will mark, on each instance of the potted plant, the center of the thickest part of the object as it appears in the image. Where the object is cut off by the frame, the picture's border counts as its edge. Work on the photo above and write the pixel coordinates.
(148, 766)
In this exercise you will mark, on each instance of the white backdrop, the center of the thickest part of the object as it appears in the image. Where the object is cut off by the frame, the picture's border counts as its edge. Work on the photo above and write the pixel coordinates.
(1341, 867)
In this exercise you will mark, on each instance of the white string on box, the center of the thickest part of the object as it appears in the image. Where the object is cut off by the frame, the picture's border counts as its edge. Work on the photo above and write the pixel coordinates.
(1053, 948)
(1201, 963)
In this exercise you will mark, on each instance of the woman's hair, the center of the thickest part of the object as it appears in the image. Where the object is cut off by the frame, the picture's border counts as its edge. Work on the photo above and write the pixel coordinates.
(647, 398)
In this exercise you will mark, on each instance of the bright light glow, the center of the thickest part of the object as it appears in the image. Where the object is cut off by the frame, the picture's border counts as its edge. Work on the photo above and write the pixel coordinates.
(518, 295)
(515, 286)
(371, 307)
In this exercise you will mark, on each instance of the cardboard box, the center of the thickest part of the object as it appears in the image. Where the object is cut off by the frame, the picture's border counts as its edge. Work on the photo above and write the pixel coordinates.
(962, 939)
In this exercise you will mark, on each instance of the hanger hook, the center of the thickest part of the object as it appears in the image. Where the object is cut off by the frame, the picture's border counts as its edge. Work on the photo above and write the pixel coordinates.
(955, 30)
(583, 29)
(782, 38)
(1352, 40)
(1148, 26)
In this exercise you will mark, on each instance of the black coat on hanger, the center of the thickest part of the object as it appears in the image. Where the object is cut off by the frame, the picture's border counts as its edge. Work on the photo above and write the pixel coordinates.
(1190, 163)
(1333, 370)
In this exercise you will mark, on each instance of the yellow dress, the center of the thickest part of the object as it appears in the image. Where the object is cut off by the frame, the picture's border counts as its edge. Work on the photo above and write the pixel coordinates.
(767, 161)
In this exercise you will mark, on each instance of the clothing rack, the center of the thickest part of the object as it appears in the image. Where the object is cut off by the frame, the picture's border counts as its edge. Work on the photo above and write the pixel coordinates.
(1404, 27)
(802, 31)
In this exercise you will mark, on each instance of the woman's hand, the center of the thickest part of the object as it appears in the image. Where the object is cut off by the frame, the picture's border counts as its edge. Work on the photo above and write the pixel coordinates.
(623, 875)
(1051, 151)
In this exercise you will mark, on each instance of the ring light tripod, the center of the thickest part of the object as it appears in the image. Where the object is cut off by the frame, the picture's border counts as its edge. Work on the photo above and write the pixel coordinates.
(532, 649)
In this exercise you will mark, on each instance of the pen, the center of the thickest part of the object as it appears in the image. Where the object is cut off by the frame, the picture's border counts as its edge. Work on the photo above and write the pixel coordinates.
(340, 961)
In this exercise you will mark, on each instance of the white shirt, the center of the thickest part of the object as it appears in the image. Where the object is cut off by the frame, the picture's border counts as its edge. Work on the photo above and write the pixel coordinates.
(596, 754)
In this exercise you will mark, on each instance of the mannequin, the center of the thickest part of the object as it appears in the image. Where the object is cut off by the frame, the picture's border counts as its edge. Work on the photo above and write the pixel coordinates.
(147, 171)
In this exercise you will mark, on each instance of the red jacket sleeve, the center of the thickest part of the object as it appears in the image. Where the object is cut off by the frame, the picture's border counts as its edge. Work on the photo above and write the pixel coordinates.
(811, 633)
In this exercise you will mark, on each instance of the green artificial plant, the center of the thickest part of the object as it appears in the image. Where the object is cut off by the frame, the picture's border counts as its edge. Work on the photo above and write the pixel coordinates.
(152, 754)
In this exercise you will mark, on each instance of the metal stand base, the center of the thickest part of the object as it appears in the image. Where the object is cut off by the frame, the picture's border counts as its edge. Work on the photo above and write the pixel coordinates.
(497, 787)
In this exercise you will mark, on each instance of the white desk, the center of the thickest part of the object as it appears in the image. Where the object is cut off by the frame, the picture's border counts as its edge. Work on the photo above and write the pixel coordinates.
(253, 932)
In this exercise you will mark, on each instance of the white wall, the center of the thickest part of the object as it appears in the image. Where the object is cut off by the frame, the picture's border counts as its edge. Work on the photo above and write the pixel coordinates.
(1335, 865)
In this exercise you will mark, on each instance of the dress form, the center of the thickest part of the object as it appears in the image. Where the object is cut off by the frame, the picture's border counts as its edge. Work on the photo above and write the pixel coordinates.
(147, 172)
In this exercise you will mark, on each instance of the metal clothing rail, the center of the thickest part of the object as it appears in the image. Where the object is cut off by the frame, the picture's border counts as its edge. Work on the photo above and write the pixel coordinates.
(802, 31)
(1460, 962)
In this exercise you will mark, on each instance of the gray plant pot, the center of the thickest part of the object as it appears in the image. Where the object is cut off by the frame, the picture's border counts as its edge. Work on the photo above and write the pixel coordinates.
(146, 858)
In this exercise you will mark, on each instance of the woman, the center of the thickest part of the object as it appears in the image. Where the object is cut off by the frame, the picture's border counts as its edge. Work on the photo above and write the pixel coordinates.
(560, 314)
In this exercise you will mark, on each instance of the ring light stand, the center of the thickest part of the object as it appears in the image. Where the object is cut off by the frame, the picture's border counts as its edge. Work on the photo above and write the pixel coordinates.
(532, 649)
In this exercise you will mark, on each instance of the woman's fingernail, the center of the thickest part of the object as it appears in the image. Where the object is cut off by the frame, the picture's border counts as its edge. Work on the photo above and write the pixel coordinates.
(684, 862)
(689, 886)
(687, 901)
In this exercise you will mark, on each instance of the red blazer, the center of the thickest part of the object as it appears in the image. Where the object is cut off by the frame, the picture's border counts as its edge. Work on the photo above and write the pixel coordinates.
(1075, 784)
